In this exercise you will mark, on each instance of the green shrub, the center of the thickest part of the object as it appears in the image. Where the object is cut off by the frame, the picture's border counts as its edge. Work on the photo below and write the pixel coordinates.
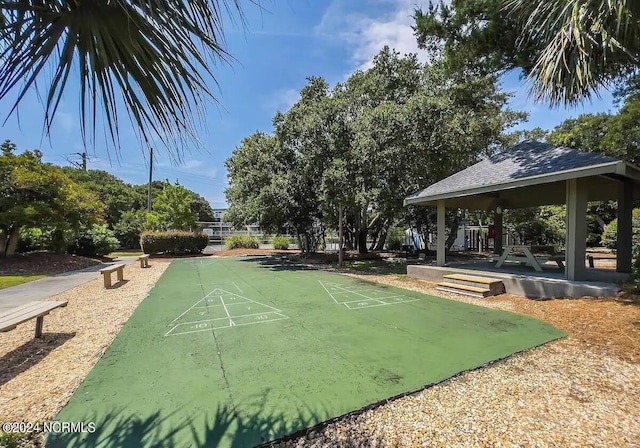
(94, 241)
(20, 439)
(280, 242)
(633, 282)
(242, 242)
(610, 234)
(395, 238)
(34, 239)
(173, 242)
(129, 228)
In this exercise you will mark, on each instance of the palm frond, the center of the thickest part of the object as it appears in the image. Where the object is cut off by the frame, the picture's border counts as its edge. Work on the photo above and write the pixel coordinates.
(589, 43)
(151, 58)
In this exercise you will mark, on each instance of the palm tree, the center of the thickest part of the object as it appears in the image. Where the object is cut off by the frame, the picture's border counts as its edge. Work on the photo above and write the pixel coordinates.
(588, 44)
(151, 58)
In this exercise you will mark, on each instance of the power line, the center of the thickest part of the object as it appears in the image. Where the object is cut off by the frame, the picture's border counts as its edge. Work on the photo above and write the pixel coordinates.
(81, 164)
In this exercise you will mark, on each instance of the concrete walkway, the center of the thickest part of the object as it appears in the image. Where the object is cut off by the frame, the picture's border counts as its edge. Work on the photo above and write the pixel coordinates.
(50, 286)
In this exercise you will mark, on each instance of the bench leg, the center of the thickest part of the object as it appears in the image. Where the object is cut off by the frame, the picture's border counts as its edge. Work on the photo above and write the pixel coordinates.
(120, 274)
(141, 263)
(107, 279)
(532, 260)
(39, 322)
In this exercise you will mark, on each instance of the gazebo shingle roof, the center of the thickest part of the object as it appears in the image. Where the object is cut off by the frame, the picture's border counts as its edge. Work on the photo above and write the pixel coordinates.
(526, 160)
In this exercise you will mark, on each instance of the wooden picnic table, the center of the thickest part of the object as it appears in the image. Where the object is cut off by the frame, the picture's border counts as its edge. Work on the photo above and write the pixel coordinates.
(530, 255)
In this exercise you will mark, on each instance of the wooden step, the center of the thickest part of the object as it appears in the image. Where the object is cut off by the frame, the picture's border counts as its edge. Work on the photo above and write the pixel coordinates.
(468, 290)
(472, 278)
(495, 285)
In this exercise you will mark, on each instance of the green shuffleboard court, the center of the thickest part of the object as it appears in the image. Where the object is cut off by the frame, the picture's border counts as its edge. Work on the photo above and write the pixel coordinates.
(239, 352)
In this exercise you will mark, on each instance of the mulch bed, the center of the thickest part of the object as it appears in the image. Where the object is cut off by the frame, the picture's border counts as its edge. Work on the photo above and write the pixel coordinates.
(44, 263)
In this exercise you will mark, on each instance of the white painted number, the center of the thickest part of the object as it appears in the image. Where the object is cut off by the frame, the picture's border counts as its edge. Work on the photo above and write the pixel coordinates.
(262, 317)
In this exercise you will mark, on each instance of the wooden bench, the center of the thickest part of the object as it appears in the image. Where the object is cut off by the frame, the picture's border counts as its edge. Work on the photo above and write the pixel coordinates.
(144, 260)
(559, 259)
(14, 317)
(106, 274)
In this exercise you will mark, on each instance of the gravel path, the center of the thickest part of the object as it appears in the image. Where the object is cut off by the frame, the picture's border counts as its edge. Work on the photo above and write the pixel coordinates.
(38, 376)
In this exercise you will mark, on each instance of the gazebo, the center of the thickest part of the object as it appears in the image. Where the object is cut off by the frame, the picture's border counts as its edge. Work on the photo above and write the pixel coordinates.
(533, 174)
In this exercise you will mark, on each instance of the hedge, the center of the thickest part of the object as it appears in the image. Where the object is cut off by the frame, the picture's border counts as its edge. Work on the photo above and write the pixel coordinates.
(94, 241)
(242, 242)
(173, 242)
(280, 242)
(610, 234)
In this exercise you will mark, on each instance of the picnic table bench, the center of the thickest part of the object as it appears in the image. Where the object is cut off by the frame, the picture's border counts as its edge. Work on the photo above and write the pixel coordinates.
(106, 273)
(32, 310)
(144, 260)
(529, 256)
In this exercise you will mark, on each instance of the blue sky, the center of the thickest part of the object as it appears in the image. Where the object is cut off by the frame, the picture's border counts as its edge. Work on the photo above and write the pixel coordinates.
(282, 44)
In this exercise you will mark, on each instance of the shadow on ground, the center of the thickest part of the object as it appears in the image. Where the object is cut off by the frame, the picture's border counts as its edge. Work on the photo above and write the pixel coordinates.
(279, 264)
(27, 355)
(223, 427)
(363, 267)
(118, 284)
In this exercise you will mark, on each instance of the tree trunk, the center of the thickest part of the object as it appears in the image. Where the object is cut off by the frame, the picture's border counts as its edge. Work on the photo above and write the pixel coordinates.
(348, 239)
(362, 241)
(362, 230)
(453, 234)
(3, 242)
(12, 244)
(59, 245)
(300, 247)
(600, 221)
(382, 238)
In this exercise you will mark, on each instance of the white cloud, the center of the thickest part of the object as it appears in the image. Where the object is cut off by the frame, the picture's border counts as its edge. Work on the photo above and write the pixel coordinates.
(366, 34)
(283, 99)
(218, 200)
(192, 164)
(66, 121)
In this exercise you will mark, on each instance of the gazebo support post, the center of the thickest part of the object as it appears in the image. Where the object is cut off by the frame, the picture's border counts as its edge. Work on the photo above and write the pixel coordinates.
(497, 238)
(576, 239)
(625, 227)
(441, 238)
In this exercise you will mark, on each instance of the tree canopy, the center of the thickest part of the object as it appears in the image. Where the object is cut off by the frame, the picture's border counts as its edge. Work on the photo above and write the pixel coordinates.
(364, 144)
(36, 194)
(567, 48)
(615, 135)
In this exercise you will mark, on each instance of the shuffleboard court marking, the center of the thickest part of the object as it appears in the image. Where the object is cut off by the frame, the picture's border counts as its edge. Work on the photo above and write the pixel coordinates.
(209, 305)
(366, 301)
(366, 304)
(221, 323)
(226, 310)
(216, 300)
(325, 288)
(193, 306)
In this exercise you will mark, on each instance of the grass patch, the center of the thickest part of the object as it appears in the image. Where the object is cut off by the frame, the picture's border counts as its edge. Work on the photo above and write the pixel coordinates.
(377, 267)
(124, 253)
(7, 281)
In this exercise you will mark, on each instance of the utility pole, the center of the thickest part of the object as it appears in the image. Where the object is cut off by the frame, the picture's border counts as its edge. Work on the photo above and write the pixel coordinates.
(80, 165)
(150, 179)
